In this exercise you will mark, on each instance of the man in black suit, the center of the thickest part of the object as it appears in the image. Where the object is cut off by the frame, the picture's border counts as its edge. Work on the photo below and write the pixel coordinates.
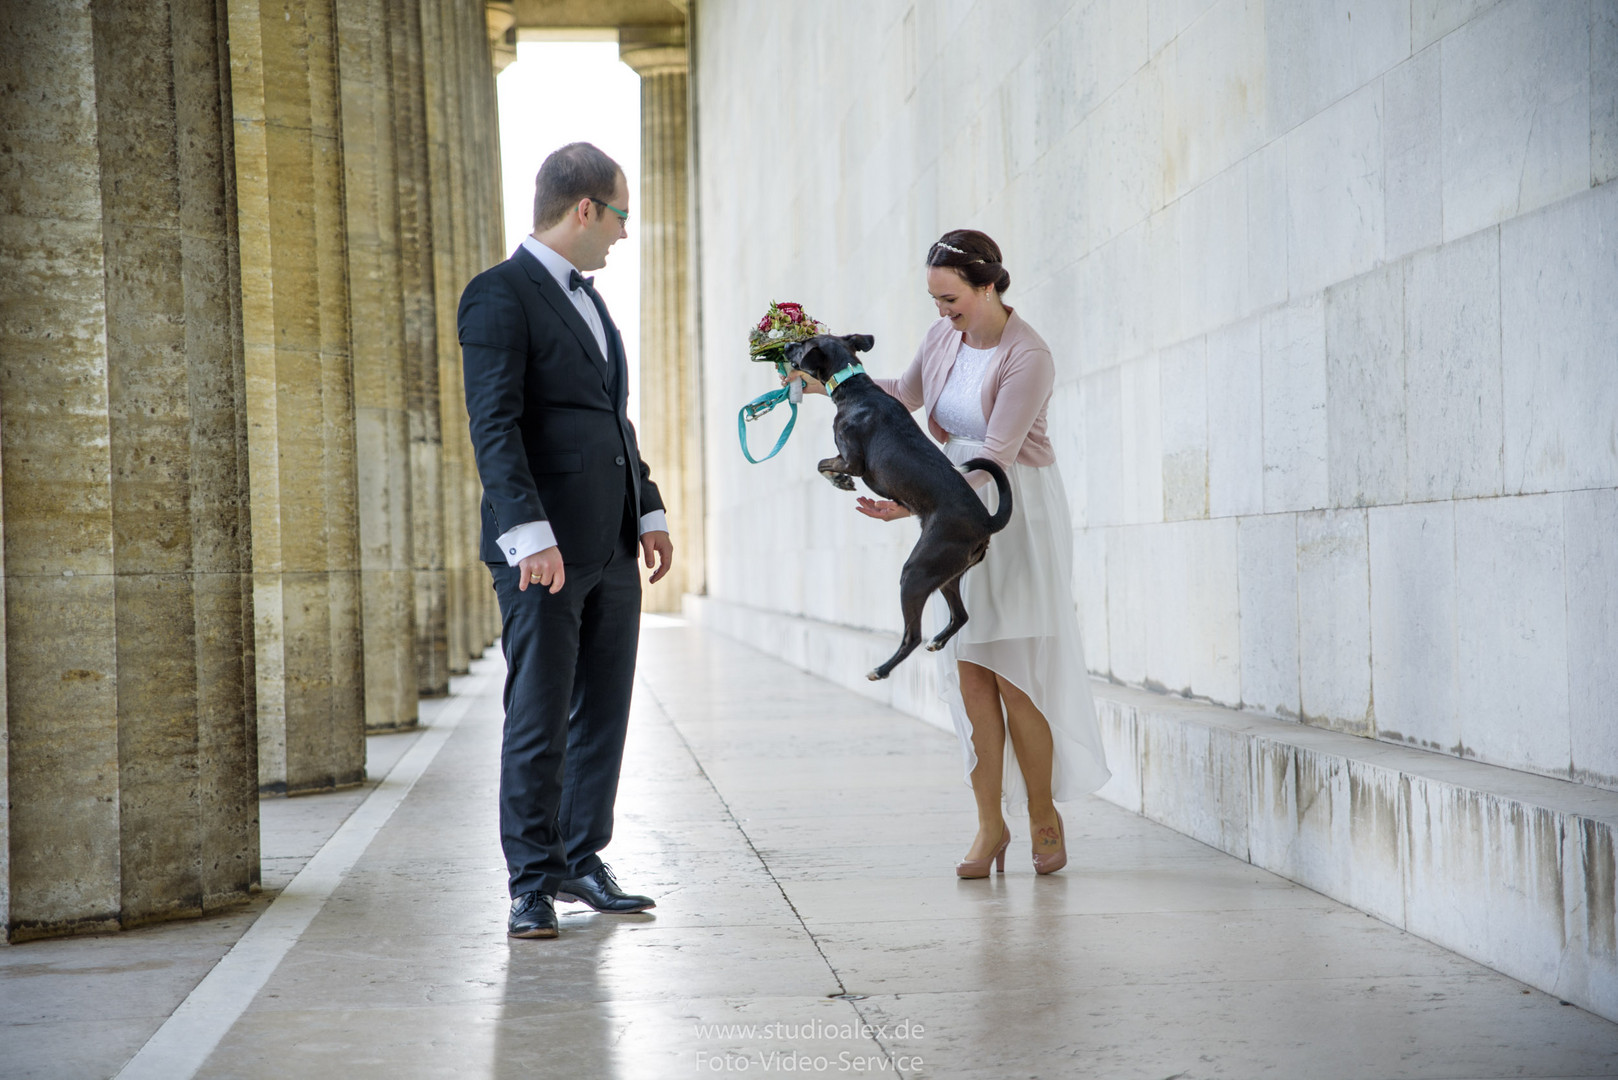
(566, 499)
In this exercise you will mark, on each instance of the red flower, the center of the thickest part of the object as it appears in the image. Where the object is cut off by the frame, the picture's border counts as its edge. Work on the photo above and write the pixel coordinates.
(793, 312)
(764, 324)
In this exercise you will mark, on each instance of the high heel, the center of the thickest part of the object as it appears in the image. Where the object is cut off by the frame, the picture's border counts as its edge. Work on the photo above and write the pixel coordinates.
(979, 868)
(1050, 864)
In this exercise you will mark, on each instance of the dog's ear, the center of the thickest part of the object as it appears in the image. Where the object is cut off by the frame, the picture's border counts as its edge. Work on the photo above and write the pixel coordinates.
(859, 342)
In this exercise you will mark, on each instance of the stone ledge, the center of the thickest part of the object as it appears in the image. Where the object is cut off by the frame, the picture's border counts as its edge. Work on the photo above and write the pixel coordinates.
(1512, 870)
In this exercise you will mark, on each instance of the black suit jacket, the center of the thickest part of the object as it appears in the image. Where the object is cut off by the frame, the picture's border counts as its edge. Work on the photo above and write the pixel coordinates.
(549, 427)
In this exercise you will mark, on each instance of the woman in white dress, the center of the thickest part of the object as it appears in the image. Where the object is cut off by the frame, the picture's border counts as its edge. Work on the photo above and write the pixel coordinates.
(1017, 667)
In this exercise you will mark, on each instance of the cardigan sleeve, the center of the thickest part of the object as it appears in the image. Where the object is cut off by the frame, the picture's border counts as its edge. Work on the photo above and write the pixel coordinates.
(1025, 387)
(907, 387)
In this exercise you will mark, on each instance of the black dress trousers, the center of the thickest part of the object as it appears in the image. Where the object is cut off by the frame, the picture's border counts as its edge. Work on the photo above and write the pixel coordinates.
(570, 669)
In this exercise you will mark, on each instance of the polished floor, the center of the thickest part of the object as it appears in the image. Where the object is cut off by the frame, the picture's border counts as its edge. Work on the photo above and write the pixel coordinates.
(800, 841)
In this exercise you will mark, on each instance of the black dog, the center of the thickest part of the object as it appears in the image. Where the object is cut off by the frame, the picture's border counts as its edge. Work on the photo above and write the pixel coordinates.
(878, 441)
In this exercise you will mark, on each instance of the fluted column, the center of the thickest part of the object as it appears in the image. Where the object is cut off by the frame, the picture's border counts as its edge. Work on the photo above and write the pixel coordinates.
(420, 302)
(129, 759)
(381, 419)
(300, 400)
(441, 70)
(671, 403)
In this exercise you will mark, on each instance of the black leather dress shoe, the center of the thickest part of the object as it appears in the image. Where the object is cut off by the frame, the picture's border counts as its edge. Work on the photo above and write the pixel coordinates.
(600, 891)
(532, 916)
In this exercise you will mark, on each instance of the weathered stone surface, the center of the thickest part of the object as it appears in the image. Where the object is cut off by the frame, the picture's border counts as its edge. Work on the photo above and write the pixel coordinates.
(1515, 112)
(1183, 386)
(1321, 52)
(1412, 160)
(1267, 554)
(299, 396)
(1235, 421)
(1414, 666)
(1295, 432)
(127, 721)
(1557, 270)
(1453, 406)
(1592, 633)
(1334, 621)
(1365, 389)
(370, 149)
(1335, 193)
(1513, 620)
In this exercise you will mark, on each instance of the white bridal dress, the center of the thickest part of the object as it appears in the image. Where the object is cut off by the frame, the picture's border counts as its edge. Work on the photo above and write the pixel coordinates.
(1022, 621)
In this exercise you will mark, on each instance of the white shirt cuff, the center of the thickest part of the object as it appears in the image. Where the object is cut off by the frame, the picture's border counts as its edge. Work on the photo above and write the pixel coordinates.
(524, 540)
(654, 521)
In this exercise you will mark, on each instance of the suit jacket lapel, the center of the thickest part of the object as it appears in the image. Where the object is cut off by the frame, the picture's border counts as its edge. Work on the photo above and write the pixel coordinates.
(553, 294)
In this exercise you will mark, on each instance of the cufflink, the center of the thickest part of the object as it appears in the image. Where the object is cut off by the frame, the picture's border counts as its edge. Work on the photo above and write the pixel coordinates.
(513, 551)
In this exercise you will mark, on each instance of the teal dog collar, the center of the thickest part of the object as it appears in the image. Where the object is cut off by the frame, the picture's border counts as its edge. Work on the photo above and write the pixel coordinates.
(843, 376)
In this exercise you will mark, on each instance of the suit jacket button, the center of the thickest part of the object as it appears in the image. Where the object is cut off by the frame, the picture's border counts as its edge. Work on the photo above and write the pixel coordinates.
(620, 459)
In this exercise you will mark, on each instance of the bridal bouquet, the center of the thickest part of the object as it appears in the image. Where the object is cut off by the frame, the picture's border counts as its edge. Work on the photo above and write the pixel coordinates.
(782, 325)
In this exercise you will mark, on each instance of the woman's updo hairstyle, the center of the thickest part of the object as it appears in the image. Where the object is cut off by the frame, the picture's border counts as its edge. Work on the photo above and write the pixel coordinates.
(972, 255)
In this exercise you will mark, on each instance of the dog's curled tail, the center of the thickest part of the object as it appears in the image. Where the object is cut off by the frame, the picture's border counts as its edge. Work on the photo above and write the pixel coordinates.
(1003, 513)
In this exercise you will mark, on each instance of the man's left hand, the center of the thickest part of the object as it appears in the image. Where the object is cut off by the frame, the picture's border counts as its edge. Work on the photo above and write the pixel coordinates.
(658, 551)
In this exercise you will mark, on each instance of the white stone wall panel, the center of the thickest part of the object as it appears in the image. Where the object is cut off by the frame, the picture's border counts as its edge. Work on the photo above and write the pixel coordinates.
(1515, 111)
(1183, 385)
(1454, 413)
(1512, 610)
(1334, 620)
(1293, 346)
(1592, 632)
(1559, 345)
(1365, 389)
(1412, 156)
(1267, 561)
(1235, 421)
(1335, 193)
(1414, 670)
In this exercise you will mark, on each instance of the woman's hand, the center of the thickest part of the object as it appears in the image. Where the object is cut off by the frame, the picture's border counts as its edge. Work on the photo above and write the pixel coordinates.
(810, 385)
(882, 510)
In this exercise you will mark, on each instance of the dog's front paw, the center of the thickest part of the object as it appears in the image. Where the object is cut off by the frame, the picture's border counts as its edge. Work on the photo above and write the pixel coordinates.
(875, 675)
(840, 480)
(934, 646)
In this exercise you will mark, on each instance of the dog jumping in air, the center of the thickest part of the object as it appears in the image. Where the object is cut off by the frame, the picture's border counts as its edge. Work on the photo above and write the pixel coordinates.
(879, 442)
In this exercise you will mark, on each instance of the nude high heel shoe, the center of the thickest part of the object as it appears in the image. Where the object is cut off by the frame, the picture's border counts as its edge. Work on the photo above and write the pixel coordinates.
(979, 868)
(1050, 864)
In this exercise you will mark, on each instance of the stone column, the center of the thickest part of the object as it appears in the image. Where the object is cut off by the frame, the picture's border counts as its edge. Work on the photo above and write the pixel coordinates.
(419, 292)
(130, 772)
(299, 394)
(670, 391)
(440, 70)
(376, 312)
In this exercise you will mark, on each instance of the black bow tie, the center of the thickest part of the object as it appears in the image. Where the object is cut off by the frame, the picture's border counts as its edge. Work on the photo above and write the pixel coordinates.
(577, 280)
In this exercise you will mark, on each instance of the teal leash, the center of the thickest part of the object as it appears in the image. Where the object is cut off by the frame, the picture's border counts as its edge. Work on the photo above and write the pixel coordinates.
(757, 408)
(765, 402)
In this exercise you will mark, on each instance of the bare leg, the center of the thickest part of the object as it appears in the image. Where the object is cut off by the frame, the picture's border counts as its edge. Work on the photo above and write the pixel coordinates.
(1031, 738)
(982, 700)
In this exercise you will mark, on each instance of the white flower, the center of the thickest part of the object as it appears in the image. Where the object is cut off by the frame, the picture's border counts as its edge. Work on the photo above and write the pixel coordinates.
(775, 333)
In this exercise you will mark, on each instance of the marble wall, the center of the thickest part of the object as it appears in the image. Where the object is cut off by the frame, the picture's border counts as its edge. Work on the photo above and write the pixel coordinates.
(1328, 284)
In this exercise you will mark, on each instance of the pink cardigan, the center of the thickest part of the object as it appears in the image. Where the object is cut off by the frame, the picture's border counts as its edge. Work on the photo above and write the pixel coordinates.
(1016, 389)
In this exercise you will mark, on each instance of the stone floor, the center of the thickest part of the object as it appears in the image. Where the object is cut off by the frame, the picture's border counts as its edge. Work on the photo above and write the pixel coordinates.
(800, 840)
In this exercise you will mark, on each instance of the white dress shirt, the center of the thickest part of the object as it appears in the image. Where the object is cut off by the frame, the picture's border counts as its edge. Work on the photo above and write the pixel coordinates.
(523, 540)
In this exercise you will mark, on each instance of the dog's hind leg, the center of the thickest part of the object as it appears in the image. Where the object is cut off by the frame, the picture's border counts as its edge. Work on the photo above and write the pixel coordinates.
(951, 591)
(916, 583)
(835, 469)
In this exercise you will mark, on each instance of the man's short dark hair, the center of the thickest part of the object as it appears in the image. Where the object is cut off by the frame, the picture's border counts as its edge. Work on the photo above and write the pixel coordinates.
(576, 171)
